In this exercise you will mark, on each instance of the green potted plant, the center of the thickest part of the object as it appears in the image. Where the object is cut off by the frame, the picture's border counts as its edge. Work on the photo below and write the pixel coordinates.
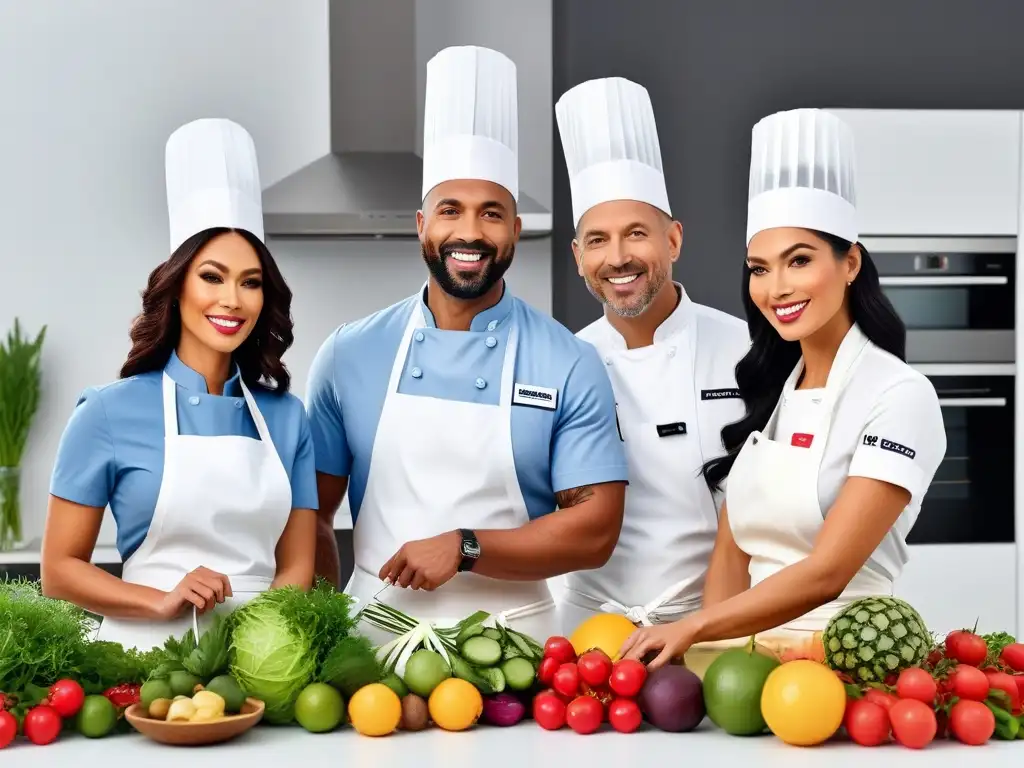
(20, 386)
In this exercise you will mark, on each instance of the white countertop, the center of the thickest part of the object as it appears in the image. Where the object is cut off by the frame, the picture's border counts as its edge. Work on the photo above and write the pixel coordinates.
(523, 745)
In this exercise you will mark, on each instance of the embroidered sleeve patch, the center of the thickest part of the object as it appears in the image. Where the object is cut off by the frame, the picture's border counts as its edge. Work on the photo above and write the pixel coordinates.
(719, 394)
(889, 445)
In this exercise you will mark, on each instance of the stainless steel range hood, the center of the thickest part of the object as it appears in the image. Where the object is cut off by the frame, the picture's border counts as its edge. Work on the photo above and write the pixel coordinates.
(369, 184)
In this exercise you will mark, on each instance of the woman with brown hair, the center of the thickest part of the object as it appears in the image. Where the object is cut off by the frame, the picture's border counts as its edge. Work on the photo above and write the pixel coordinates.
(201, 453)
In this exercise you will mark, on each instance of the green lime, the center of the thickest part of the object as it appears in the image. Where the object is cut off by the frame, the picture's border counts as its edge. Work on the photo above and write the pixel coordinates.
(183, 683)
(97, 717)
(425, 670)
(394, 682)
(153, 690)
(319, 708)
(228, 689)
(732, 688)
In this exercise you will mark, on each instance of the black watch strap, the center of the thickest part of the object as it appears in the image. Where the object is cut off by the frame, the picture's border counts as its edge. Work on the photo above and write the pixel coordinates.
(470, 550)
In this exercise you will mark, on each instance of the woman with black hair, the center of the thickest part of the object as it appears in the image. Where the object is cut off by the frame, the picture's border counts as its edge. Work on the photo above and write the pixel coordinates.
(841, 438)
(202, 454)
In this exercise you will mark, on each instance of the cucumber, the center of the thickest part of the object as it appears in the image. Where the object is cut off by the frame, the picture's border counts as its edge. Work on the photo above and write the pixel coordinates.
(519, 673)
(465, 671)
(481, 651)
(492, 633)
(495, 678)
(471, 630)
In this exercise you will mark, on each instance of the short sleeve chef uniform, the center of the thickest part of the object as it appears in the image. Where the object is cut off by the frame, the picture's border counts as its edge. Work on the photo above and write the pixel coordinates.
(440, 429)
(192, 479)
(672, 397)
(876, 417)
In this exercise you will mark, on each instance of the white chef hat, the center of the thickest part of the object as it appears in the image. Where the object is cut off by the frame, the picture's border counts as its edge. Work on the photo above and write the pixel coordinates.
(213, 179)
(610, 142)
(802, 174)
(471, 118)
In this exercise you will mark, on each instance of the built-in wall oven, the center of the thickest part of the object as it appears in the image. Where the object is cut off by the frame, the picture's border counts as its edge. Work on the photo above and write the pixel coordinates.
(957, 298)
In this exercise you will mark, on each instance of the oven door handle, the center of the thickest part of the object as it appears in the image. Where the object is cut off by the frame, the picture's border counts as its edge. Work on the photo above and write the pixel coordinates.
(950, 281)
(972, 402)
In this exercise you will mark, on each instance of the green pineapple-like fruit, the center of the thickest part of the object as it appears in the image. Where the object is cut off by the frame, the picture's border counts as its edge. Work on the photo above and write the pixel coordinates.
(873, 637)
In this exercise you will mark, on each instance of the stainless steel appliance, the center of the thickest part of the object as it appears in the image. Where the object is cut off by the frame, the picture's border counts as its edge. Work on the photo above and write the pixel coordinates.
(970, 500)
(955, 295)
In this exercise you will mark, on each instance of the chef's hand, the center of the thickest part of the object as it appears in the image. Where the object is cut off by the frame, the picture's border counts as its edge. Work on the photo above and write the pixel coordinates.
(673, 640)
(202, 588)
(426, 563)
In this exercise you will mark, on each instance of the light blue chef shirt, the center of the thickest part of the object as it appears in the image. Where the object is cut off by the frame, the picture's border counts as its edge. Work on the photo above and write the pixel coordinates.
(575, 444)
(112, 450)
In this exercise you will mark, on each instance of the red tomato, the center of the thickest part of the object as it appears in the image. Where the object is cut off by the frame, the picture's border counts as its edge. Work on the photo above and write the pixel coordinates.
(549, 710)
(8, 728)
(913, 723)
(42, 724)
(560, 648)
(969, 683)
(1002, 681)
(546, 670)
(566, 680)
(866, 722)
(881, 698)
(916, 683)
(1019, 679)
(625, 715)
(934, 657)
(584, 714)
(66, 696)
(966, 647)
(595, 667)
(971, 722)
(1013, 656)
(628, 676)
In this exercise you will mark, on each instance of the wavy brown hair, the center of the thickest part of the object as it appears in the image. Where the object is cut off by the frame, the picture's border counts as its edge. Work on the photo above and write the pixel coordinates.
(156, 331)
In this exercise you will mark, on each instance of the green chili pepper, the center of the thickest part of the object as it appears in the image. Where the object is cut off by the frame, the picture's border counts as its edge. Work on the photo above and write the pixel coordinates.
(1007, 726)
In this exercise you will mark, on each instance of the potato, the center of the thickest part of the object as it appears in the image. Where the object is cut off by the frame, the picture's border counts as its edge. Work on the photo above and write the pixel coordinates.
(158, 708)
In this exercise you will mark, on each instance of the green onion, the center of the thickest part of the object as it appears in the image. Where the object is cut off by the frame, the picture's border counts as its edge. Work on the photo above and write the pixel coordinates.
(20, 386)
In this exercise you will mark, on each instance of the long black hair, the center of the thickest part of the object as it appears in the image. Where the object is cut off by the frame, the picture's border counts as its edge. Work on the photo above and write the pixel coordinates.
(762, 373)
(155, 332)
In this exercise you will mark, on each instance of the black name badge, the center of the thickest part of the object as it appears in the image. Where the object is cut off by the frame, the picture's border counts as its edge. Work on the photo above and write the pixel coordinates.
(719, 394)
(676, 428)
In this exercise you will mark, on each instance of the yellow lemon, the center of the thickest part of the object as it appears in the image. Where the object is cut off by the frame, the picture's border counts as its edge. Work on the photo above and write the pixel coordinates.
(455, 705)
(375, 710)
(803, 702)
(607, 631)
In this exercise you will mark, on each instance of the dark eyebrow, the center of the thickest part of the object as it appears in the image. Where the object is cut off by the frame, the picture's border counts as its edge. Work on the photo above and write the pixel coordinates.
(784, 254)
(222, 268)
(452, 202)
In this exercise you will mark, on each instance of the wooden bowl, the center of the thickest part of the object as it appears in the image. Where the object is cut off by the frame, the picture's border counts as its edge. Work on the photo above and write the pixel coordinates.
(181, 733)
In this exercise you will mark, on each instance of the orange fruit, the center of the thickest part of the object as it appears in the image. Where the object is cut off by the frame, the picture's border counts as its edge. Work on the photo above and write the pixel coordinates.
(455, 704)
(607, 631)
(803, 702)
(375, 710)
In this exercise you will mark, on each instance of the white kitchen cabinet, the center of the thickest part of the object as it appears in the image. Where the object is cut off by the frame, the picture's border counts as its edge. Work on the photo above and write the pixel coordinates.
(952, 586)
(936, 172)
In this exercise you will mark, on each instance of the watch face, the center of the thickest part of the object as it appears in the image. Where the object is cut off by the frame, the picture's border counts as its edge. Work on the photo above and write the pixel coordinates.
(470, 549)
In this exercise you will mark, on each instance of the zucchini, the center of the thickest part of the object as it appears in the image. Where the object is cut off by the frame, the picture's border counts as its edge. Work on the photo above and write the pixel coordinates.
(463, 670)
(519, 673)
(481, 651)
(494, 677)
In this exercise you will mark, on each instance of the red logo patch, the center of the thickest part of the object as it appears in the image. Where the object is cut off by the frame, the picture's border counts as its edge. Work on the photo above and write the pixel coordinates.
(801, 440)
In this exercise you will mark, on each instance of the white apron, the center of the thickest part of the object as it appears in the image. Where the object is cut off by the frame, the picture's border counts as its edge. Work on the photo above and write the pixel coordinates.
(223, 504)
(438, 465)
(772, 497)
(670, 519)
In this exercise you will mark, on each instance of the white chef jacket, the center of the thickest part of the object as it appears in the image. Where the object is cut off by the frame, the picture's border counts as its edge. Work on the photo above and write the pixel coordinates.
(885, 413)
(672, 400)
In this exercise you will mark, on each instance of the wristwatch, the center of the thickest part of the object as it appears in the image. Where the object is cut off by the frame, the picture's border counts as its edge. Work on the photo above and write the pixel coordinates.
(470, 550)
